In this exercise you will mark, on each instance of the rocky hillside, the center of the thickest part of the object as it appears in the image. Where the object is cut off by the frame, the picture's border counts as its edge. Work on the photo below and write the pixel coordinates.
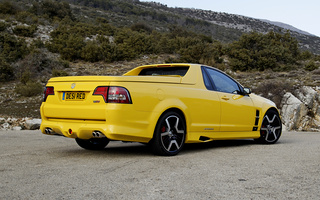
(42, 39)
(247, 24)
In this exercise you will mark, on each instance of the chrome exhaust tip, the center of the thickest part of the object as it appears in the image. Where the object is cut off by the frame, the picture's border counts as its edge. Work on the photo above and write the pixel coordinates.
(98, 134)
(48, 131)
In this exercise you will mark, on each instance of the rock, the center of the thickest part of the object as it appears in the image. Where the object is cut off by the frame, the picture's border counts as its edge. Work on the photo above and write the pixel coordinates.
(292, 111)
(301, 111)
(17, 128)
(307, 95)
(5, 126)
(32, 124)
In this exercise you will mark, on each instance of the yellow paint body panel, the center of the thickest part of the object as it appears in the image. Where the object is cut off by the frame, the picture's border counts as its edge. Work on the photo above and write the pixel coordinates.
(210, 114)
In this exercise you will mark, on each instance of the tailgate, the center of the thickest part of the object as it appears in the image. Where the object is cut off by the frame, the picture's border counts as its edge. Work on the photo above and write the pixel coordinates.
(74, 99)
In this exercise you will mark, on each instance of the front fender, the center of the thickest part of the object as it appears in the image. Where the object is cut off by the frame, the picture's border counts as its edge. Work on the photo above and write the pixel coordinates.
(264, 104)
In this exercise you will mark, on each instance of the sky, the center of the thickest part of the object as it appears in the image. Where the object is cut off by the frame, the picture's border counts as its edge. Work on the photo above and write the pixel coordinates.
(302, 14)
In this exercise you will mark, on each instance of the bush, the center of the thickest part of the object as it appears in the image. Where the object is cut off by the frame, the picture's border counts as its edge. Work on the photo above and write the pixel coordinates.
(311, 65)
(6, 7)
(25, 77)
(274, 90)
(25, 31)
(141, 27)
(12, 48)
(29, 89)
(92, 52)
(52, 9)
(27, 17)
(57, 73)
(3, 26)
(6, 71)
(305, 55)
(37, 64)
(256, 51)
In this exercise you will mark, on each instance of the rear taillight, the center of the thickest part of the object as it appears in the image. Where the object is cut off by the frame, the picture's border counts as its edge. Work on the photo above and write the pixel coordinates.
(113, 94)
(103, 91)
(48, 91)
(118, 95)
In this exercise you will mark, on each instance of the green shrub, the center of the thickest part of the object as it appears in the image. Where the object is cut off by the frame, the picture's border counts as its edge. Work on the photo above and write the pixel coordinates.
(311, 65)
(141, 27)
(57, 73)
(29, 89)
(7, 7)
(39, 63)
(6, 71)
(12, 48)
(305, 55)
(25, 77)
(3, 26)
(52, 9)
(92, 52)
(257, 51)
(25, 31)
(26, 17)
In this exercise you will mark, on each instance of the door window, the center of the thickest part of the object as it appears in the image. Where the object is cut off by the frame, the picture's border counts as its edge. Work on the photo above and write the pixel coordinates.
(222, 82)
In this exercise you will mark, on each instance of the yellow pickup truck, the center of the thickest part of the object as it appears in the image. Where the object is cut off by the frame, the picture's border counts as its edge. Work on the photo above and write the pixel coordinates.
(164, 105)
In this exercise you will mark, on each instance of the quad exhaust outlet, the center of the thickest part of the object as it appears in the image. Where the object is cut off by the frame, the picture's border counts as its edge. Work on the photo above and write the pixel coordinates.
(98, 134)
(48, 131)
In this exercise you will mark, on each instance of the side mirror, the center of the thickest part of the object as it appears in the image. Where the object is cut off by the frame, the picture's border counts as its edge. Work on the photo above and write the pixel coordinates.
(247, 91)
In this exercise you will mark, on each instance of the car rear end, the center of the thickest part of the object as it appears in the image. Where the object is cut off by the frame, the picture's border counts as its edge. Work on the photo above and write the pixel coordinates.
(85, 107)
(102, 106)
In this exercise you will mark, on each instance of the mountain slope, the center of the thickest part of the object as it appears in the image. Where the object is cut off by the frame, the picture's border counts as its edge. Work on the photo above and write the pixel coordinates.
(287, 26)
(247, 24)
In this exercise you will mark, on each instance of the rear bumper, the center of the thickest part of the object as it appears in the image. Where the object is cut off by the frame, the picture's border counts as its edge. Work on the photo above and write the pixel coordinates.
(116, 121)
(84, 129)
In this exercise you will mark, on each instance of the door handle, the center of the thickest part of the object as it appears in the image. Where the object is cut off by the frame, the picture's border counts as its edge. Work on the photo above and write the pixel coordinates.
(225, 98)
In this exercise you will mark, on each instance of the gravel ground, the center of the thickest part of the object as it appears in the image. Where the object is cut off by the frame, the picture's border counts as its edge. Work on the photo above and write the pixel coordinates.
(37, 166)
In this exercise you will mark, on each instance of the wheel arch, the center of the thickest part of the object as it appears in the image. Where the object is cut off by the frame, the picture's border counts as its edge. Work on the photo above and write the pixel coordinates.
(176, 110)
(265, 108)
(172, 109)
(274, 109)
(171, 104)
(271, 108)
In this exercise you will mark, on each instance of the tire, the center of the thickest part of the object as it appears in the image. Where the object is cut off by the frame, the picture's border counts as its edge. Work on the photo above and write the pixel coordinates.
(271, 128)
(93, 143)
(169, 135)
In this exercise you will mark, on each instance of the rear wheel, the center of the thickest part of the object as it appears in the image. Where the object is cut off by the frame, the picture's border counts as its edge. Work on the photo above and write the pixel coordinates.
(93, 143)
(169, 134)
(271, 128)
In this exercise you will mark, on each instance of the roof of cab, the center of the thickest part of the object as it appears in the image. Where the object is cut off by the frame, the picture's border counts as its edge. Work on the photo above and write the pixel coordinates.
(137, 70)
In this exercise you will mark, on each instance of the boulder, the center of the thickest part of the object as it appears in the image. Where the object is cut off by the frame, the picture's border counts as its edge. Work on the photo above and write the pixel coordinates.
(32, 124)
(301, 111)
(292, 111)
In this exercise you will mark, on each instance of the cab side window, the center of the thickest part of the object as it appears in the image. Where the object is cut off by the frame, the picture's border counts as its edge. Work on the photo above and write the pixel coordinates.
(222, 83)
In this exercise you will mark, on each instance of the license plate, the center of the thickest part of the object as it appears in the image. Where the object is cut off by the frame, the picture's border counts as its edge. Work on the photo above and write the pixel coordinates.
(73, 96)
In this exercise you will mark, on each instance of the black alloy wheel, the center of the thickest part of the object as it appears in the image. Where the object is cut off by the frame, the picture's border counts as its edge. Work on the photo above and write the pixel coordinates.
(271, 128)
(169, 134)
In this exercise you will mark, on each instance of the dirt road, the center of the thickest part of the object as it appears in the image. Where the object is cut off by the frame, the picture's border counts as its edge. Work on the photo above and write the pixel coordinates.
(37, 166)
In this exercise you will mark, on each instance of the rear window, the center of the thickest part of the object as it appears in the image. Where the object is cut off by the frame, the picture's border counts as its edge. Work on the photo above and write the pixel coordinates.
(164, 71)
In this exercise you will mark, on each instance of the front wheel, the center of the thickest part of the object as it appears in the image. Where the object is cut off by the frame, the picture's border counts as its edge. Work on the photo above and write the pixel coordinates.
(169, 134)
(93, 143)
(271, 128)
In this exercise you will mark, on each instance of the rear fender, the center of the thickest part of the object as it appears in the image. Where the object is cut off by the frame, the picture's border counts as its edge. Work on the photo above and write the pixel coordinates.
(162, 107)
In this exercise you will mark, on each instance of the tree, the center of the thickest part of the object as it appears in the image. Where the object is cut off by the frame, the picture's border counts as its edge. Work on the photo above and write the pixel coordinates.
(257, 51)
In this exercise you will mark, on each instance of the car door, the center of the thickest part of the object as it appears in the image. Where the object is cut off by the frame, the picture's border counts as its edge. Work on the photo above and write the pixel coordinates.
(237, 110)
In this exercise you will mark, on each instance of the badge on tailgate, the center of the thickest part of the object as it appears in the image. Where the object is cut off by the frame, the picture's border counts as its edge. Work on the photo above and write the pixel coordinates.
(73, 96)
